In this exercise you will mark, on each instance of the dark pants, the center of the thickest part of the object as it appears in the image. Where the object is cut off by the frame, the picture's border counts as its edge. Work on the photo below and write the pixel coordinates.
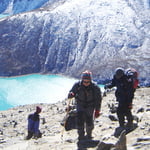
(122, 112)
(85, 121)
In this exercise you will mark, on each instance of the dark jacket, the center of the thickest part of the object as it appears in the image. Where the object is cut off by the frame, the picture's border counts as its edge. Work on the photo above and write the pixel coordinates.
(125, 91)
(33, 123)
(89, 96)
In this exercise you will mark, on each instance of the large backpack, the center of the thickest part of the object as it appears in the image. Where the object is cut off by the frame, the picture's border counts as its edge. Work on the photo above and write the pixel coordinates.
(70, 120)
(132, 75)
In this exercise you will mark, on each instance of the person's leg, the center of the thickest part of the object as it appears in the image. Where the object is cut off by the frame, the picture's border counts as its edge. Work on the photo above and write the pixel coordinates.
(89, 122)
(121, 117)
(80, 124)
(89, 130)
(30, 127)
(129, 118)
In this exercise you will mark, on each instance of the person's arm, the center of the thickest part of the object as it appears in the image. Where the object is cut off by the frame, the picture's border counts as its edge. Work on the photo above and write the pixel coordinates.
(111, 84)
(98, 100)
(30, 123)
(74, 90)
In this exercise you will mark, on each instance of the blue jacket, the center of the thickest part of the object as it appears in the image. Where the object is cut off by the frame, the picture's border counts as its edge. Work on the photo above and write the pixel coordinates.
(33, 123)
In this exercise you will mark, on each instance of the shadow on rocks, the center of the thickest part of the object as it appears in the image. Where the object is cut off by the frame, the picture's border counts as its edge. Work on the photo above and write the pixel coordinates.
(127, 130)
(119, 145)
(84, 144)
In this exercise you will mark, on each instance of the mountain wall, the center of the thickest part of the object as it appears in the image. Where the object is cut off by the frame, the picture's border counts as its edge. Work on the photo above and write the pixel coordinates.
(70, 36)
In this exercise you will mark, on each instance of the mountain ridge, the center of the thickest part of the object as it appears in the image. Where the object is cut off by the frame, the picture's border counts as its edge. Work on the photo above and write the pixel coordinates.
(75, 36)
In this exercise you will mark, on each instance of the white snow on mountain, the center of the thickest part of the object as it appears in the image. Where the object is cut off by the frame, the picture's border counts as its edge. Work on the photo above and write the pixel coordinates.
(70, 36)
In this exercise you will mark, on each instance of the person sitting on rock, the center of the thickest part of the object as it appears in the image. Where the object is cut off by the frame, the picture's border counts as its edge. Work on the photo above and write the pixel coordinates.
(88, 98)
(33, 124)
(124, 95)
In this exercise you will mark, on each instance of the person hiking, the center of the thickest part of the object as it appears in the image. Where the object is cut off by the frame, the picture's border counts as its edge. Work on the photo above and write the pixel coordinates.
(33, 124)
(124, 95)
(88, 98)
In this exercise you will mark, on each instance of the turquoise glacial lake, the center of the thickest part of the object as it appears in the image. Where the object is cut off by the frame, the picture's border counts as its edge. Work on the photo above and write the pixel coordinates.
(35, 88)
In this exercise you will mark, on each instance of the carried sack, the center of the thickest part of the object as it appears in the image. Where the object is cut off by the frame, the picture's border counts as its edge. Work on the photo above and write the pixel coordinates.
(132, 75)
(70, 120)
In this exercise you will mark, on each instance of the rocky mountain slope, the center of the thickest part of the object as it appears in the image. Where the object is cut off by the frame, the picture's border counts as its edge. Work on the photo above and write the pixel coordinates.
(70, 36)
(13, 127)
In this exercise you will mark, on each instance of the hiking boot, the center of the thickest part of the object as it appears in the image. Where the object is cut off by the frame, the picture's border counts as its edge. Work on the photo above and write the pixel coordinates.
(29, 136)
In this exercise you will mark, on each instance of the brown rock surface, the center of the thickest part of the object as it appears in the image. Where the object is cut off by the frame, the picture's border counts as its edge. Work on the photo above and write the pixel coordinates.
(13, 126)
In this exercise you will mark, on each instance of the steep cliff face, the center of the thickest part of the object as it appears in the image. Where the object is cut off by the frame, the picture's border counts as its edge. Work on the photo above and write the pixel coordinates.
(76, 35)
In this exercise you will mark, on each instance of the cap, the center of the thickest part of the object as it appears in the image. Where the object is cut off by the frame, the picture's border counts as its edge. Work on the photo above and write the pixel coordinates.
(87, 75)
(119, 72)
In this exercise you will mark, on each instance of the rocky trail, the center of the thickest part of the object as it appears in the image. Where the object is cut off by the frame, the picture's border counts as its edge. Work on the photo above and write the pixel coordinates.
(13, 127)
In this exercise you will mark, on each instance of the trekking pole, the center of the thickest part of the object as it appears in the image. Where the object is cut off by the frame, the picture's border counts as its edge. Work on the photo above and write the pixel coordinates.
(67, 111)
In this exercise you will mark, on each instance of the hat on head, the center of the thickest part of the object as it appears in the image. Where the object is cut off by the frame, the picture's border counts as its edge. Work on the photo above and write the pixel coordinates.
(38, 109)
(119, 72)
(86, 75)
